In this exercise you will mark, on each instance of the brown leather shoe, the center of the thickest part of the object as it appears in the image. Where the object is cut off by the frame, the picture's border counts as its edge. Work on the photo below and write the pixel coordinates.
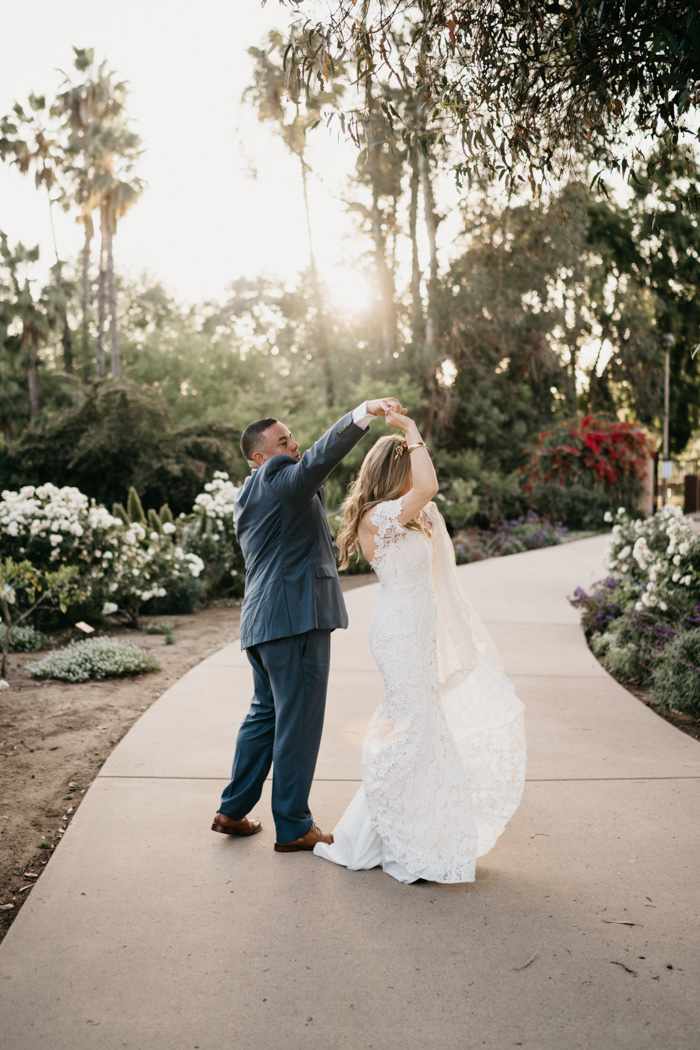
(307, 841)
(229, 826)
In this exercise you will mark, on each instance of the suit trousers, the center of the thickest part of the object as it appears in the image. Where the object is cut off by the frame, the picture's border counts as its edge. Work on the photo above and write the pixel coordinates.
(283, 729)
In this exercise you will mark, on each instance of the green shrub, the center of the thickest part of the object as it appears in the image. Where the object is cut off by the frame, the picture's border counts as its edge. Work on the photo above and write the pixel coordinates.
(184, 596)
(94, 658)
(164, 627)
(118, 435)
(676, 680)
(618, 658)
(24, 639)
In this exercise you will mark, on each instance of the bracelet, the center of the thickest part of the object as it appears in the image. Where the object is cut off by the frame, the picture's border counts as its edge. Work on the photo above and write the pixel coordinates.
(418, 444)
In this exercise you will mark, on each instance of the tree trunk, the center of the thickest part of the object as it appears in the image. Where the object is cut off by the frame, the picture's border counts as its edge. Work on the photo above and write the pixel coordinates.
(431, 225)
(113, 321)
(384, 278)
(417, 319)
(318, 298)
(30, 348)
(4, 608)
(100, 367)
(430, 344)
(85, 288)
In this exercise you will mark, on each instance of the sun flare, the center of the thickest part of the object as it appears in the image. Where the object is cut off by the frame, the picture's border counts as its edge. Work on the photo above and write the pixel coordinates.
(349, 289)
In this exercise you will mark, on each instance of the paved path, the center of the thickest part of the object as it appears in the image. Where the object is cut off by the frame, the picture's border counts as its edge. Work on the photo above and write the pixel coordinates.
(148, 932)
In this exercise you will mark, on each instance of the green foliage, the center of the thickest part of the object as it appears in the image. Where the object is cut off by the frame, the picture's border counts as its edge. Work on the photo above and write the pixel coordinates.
(676, 682)
(24, 638)
(164, 627)
(519, 86)
(134, 508)
(25, 587)
(622, 660)
(94, 659)
(117, 437)
(649, 284)
(154, 522)
(183, 596)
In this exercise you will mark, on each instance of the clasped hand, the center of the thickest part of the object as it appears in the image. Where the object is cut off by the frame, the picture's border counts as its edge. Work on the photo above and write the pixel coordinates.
(384, 405)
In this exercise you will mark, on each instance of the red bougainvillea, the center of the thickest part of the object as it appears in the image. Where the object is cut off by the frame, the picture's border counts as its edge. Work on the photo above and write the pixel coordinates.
(605, 453)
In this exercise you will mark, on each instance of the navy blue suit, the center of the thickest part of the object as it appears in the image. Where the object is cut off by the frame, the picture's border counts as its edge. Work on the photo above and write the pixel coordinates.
(293, 601)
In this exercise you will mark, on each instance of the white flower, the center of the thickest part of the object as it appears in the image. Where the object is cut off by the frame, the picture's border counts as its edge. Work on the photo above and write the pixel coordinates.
(8, 594)
(677, 560)
(624, 553)
(663, 606)
(676, 577)
(684, 548)
(621, 512)
(607, 516)
(686, 581)
(108, 608)
(168, 528)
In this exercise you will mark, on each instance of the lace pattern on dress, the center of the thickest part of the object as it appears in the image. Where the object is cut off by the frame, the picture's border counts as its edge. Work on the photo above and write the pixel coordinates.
(443, 768)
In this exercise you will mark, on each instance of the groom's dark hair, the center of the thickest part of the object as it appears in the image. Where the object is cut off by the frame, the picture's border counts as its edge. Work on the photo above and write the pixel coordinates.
(251, 436)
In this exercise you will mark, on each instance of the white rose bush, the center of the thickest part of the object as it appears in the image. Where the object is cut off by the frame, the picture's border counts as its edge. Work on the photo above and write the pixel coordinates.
(208, 534)
(66, 558)
(120, 566)
(643, 620)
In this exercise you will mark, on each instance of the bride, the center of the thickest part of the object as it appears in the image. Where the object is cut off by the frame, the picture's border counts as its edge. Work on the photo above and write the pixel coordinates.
(443, 761)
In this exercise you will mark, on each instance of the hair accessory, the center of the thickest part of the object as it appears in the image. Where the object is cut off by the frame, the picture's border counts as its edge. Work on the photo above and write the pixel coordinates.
(400, 449)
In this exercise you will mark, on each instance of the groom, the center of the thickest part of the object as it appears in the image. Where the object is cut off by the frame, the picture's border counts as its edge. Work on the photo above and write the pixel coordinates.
(292, 603)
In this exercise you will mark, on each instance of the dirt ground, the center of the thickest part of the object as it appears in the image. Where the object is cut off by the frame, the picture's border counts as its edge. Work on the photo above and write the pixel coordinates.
(55, 736)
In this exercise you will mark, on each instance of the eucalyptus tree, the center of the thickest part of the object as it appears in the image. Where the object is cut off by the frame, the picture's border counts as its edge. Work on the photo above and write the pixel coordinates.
(649, 246)
(279, 101)
(520, 84)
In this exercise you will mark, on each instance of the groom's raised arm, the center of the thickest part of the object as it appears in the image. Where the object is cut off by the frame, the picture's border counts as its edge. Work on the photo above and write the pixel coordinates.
(298, 482)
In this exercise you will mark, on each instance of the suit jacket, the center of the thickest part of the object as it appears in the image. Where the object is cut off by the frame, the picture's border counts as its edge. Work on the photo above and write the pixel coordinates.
(292, 583)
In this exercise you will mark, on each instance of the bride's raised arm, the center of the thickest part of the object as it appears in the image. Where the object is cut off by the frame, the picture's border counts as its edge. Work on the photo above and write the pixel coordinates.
(424, 482)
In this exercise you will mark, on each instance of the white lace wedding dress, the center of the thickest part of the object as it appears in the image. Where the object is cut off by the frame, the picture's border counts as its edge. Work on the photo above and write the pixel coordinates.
(443, 760)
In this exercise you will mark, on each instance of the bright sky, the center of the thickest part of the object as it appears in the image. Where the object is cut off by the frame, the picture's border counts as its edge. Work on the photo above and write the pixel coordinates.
(204, 219)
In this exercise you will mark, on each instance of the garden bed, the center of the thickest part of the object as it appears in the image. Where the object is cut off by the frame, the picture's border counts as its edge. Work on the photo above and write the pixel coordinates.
(680, 719)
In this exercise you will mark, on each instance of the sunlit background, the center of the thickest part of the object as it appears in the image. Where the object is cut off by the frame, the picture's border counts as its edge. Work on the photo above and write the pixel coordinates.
(224, 197)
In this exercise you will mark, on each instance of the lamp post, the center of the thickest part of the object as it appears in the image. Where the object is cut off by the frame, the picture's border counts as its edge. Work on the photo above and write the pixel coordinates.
(667, 342)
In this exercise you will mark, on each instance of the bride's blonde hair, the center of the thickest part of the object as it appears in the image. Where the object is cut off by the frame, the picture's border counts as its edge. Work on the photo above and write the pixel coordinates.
(382, 476)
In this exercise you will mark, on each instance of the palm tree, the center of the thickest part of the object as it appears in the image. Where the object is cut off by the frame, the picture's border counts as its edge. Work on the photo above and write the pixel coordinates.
(116, 197)
(103, 152)
(31, 314)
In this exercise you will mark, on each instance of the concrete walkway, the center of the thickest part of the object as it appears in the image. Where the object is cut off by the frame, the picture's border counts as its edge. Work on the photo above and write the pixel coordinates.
(148, 932)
